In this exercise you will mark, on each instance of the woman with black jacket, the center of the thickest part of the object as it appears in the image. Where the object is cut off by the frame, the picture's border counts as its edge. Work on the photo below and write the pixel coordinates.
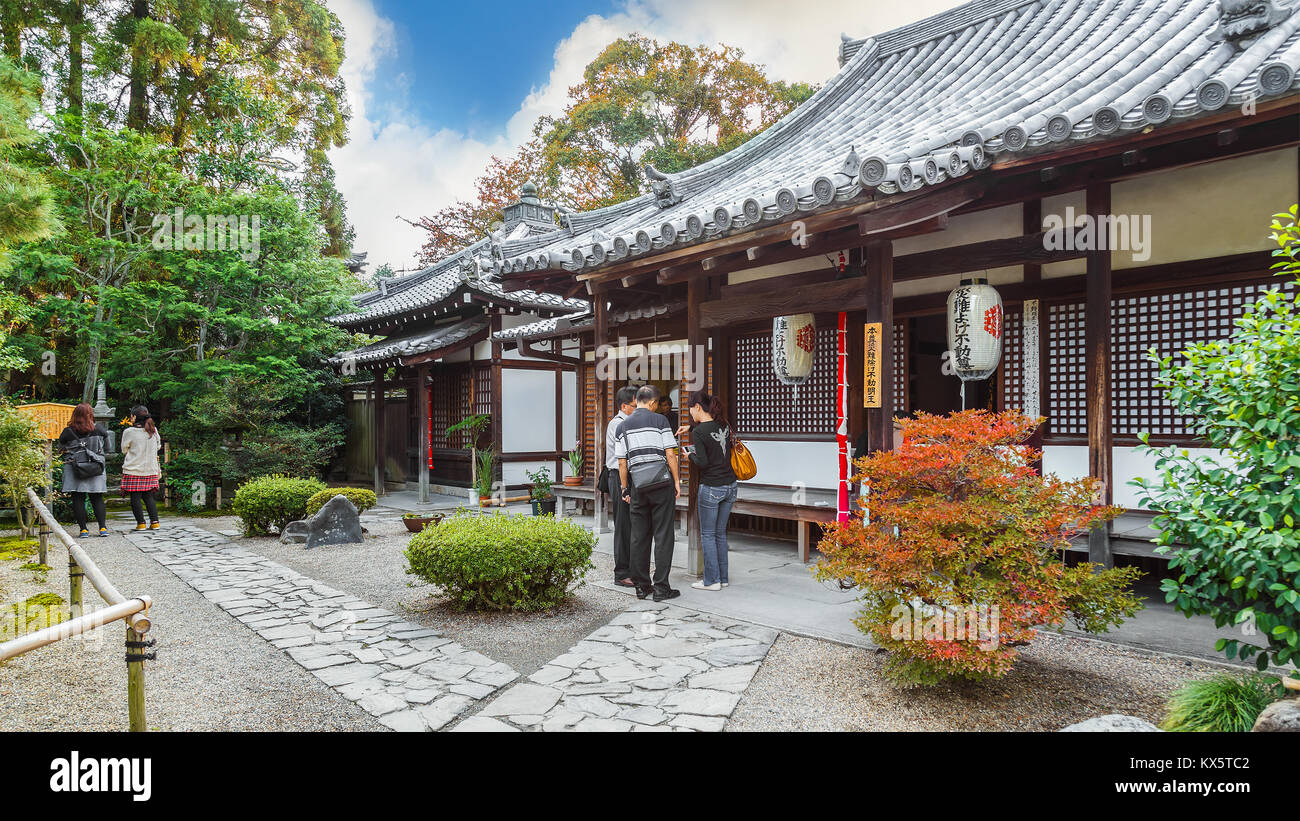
(712, 439)
(83, 444)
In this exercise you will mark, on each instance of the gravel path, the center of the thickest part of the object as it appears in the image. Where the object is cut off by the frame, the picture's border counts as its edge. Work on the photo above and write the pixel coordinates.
(806, 684)
(212, 673)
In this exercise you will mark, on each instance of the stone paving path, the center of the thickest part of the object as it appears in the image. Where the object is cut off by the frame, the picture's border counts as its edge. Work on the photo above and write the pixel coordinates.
(654, 667)
(406, 675)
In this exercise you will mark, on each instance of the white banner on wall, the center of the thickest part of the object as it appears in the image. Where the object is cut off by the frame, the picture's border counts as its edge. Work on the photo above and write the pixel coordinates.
(1029, 348)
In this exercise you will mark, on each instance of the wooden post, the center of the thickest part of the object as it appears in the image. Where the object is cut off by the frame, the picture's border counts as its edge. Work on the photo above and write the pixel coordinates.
(694, 338)
(379, 433)
(1031, 223)
(1097, 348)
(44, 536)
(600, 336)
(422, 397)
(49, 473)
(218, 495)
(166, 490)
(497, 421)
(135, 680)
(878, 258)
(75, 575)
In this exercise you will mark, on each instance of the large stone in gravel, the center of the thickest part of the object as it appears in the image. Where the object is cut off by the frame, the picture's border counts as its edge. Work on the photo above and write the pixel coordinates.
(482, 724)
(1279, 717)
(1113, 723)
(337, 522)
(523, 698)
(294, 533)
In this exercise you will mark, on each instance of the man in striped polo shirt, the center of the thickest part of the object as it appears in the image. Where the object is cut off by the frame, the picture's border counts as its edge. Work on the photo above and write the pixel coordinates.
(645, 440)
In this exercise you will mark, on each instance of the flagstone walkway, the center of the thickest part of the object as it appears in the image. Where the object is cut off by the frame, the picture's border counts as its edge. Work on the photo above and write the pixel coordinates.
(406, 675)
(654, 667)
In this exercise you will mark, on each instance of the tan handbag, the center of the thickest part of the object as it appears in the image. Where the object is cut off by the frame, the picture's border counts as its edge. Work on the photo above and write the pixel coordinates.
(742, 461)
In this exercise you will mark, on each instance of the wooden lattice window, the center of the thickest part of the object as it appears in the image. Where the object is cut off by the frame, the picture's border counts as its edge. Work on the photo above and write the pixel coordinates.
(450, 392)
(1011, 371)
(1170, 323)
(765, 406)
(1067, 406)
(900, 365)
(587, 420)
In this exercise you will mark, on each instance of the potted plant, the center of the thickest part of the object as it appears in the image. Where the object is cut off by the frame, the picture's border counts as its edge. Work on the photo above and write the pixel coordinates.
(474, 425)
(415, 522)
(575, 466)
(540, 493)
(486, 469)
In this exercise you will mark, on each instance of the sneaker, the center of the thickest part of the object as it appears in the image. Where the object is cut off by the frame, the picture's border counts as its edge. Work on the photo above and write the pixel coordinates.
(726, 584)
(154, 525)
(671, 594)
(103, 533)
(83, 534)
(700, 585)
(142, 526)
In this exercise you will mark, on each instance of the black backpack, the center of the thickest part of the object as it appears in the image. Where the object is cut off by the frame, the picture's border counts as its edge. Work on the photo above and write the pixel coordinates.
(87, 456)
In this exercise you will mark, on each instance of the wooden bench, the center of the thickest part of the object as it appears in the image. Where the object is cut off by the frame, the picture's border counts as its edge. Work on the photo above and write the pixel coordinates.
(772, 502)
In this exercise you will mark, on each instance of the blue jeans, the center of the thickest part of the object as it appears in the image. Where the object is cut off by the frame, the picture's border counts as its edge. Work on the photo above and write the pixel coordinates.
(714, 510)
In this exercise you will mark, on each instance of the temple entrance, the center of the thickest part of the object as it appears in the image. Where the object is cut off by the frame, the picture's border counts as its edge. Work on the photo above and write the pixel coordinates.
(930, 390)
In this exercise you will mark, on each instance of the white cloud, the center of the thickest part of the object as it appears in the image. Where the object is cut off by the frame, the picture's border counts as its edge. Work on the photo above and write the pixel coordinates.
(404, 167)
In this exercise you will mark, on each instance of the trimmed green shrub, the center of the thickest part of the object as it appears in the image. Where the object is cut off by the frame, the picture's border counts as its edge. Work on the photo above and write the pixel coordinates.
(273, 501)
(360, 497)
(1222, 704)
(502, 562)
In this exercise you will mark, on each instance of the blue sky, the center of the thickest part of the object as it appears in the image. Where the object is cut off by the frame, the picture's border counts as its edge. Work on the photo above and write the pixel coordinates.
(466, 65)
(437, 88)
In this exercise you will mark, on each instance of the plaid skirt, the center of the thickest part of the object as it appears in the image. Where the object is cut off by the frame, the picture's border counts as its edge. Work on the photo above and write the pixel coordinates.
(138, 483)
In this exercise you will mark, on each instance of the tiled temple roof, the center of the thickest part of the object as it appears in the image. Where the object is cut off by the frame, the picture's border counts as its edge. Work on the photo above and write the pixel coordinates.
(583, 320)
(470, 269)
(937, 99)
(395, 348)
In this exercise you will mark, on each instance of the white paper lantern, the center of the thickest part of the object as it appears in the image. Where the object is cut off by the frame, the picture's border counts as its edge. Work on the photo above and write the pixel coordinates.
(794, 342)
(975, 329)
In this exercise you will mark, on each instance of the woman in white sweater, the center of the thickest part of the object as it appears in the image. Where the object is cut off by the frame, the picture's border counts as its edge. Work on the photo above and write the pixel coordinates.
(140, 471)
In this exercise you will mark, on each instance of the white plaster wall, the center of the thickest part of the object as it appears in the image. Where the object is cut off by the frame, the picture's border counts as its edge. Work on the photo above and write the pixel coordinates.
(527, 410)
(816, 464)
(1071, 462)
(569, 386)
(516, 473)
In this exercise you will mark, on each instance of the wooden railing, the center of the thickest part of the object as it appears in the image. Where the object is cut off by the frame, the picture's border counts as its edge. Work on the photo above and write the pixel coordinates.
(134, 611)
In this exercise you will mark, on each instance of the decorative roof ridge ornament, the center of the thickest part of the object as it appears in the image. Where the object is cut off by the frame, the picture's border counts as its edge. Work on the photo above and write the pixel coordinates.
(565, 217)
(852, 163)
(662, 187)
(1241, 21)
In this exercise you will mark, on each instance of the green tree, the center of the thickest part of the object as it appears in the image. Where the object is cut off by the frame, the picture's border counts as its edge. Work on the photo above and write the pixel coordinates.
(1229, 523)
(22, 464)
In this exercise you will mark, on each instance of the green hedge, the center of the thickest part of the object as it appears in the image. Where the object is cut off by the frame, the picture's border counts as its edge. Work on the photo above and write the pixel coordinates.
(502, 562)
(273, 501)
(361, 498)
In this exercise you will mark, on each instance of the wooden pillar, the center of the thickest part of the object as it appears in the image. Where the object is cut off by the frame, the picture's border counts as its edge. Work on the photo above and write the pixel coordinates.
(135, 681)
(1097, 348)
(422, 398)
(381, 461)
(878, 259)
(600, 336)
(496, 422)
(695, 294)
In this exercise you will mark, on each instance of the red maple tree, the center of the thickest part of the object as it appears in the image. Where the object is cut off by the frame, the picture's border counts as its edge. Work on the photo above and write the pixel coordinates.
(960, 527)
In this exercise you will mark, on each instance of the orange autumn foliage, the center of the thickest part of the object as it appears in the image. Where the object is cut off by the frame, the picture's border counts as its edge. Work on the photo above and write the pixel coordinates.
(962, 555)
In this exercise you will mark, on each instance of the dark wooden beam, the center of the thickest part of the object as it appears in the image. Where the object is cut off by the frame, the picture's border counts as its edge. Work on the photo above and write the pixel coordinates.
(780, 283)
(600, 336)
(496, 422)
(918, 211)
(526, 348)
(432, 356)
(831, 297)
(696, 290)
(1097, 370)
(978, 256)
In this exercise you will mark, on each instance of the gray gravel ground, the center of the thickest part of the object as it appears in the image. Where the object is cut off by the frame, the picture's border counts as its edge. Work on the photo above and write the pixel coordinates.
(212, 673)
(376, 571)
(811, 685)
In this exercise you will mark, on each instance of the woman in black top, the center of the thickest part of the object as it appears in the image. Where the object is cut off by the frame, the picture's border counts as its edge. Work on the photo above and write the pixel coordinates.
(712, 438)
(84, 441)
